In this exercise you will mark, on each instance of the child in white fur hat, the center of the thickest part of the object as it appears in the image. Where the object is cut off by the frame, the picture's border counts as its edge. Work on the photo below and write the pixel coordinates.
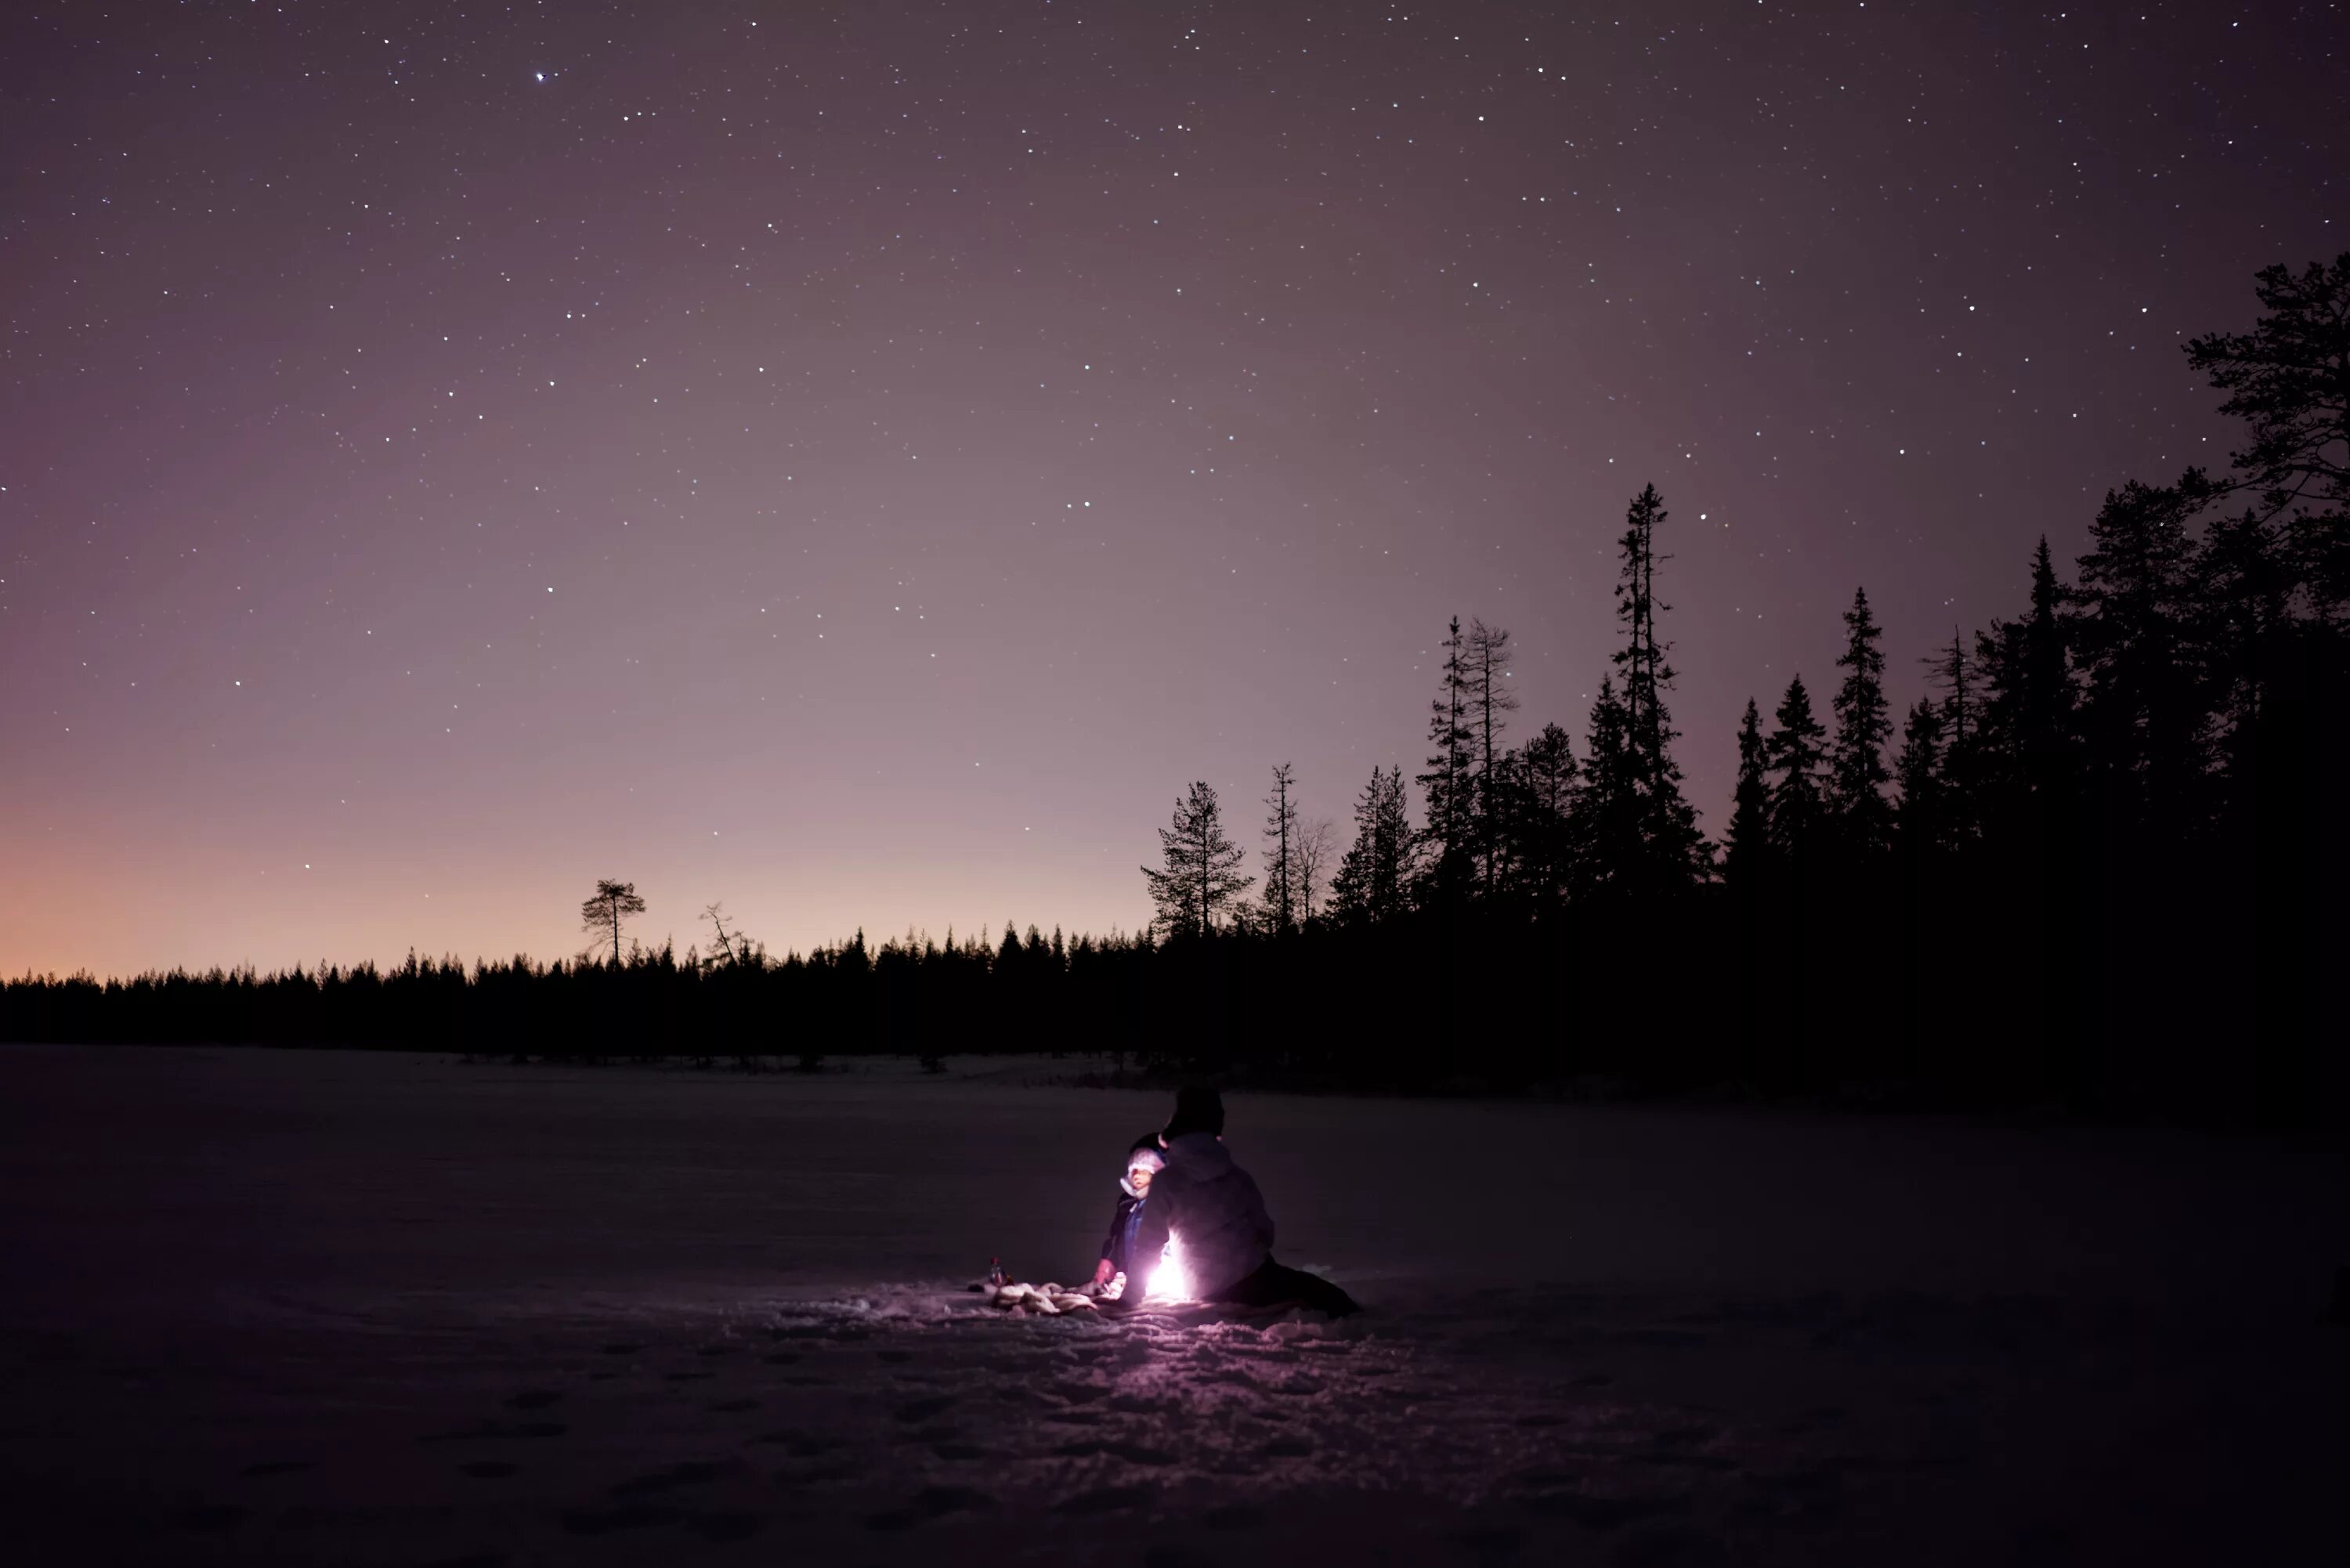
(1143, 1161)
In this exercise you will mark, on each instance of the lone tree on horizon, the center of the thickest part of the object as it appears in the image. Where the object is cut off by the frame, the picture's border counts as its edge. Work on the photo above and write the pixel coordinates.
(611, 903)
(1202, 875)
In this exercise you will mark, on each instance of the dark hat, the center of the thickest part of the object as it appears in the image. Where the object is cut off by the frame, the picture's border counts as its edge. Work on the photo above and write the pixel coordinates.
(1198, 1108)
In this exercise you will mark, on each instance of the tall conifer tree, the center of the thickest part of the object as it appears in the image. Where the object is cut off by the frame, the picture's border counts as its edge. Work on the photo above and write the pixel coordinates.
(1747, 843)
(1449, 786)
(2135, 632)
(1490, 701)
(1547, 775)
(1374, 875)
(1795, 756)
(1665, 848)
(1201, 877)
(1864, 817)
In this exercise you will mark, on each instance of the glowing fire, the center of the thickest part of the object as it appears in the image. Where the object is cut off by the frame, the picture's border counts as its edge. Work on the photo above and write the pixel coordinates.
(1171, 1282)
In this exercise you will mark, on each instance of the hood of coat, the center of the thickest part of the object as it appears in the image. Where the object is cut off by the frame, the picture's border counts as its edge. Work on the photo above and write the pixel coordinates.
(1201, 1157)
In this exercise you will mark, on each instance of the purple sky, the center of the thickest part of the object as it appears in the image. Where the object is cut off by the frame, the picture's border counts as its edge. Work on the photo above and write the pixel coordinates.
(861, 465)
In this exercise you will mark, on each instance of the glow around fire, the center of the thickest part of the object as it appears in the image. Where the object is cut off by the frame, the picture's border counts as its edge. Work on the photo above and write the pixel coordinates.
(1171, 1282)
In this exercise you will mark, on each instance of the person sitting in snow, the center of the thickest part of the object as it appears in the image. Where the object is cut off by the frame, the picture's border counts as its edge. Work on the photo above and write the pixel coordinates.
(1143, 1162)
(1218, 1218)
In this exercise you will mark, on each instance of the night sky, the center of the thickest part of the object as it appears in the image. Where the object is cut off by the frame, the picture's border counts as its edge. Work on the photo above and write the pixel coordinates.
(860, 462)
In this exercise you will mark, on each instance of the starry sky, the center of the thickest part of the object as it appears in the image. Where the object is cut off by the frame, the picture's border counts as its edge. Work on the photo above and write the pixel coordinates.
(859, 463)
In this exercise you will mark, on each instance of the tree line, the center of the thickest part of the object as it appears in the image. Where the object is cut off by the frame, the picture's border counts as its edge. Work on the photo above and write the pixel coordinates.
(2097, 866)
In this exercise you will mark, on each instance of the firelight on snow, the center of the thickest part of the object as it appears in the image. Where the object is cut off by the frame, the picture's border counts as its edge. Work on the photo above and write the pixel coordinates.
(1171, 1282)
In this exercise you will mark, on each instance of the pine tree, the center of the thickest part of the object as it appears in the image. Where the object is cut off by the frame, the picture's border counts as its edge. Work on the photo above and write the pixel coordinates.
(1280, 862)
(1375, 872)
(1202, 878)
(2246, 584)
(1747, 843)
(602, 914)
(1449, 784)
(1794, 756)
(1490, 701)
(2134, 631)
(1863, 816)
(1546, 773)
(2289, 379)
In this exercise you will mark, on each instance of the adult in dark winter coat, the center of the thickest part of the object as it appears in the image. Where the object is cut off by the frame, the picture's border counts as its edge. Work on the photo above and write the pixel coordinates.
(1216, 1215)
(1143, 1162)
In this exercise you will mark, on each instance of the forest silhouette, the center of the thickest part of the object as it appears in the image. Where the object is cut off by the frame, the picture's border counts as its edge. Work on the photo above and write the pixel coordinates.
(2099, 867)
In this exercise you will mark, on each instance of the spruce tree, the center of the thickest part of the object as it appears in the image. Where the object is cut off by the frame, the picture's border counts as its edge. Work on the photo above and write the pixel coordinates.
(1918, 773)
(1604, 824)
(1954, 678)
(1794, 757)
(1202, 878)
(1665, 847)
(2027, 728)
(1747, 843)
(1864, 817)
(2049, 698)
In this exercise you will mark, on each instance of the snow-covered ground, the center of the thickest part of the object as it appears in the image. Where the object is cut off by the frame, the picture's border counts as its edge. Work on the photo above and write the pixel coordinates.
(278, 1307)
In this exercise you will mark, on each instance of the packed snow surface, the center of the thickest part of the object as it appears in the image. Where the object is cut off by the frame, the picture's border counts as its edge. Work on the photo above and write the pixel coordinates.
(394, 1309)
